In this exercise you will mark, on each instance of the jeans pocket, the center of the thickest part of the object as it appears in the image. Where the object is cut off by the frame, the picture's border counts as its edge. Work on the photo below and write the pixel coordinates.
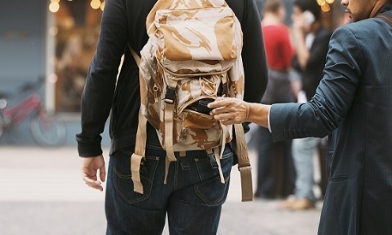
(211, 190)
(122, 178)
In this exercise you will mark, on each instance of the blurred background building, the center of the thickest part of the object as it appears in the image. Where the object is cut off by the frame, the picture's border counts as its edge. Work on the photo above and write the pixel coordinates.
(55, 40)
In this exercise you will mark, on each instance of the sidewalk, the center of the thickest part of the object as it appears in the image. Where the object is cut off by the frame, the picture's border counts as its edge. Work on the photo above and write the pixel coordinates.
(41, 193)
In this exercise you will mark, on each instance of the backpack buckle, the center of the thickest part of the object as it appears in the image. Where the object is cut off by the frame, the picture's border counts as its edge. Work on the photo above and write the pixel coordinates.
(170, 95)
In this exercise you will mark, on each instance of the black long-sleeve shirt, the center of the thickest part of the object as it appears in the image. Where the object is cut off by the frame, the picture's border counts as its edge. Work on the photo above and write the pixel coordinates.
(124, 22)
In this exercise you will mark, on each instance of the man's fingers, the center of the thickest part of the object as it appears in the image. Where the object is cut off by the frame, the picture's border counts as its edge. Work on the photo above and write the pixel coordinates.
(102, 173)
(221, 110)
(93, 183)
(222, 116)
(219, 102)
(90, 168)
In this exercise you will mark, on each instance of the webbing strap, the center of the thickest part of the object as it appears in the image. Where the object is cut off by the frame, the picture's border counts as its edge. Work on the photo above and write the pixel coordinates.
(138, 155)
(136, 160)
(246, 183)
(169, 114)
(135, 55)
(218, 154)
(218, 162)
(140, 145)
(243, 164)
(169, 137)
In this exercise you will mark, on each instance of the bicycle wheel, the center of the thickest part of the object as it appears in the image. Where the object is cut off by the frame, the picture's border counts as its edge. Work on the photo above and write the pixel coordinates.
(48, 131)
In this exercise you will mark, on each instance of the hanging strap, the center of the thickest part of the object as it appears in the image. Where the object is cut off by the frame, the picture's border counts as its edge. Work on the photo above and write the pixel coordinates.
(386, 18)
(168, 138)
(218, 154)
(140, 144)
(141, 138)
(138, 155)
(243, 164)
(135, 55)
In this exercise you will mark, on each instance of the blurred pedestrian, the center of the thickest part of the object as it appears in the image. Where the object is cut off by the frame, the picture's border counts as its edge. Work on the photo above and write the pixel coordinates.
(311, 39)
(353, 103)
(275, 172)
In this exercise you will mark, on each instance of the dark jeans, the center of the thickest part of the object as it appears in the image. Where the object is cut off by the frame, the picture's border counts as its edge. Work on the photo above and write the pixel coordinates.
(192, 197)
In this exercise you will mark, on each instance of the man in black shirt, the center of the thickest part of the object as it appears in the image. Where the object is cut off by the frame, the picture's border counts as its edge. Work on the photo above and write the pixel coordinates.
(193, 195)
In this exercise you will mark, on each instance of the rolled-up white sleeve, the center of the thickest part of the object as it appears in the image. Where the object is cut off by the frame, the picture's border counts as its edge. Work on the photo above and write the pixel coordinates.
(269, 123)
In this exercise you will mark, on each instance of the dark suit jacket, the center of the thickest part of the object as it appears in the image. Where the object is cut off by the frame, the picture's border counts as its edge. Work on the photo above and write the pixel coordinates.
(354, 103)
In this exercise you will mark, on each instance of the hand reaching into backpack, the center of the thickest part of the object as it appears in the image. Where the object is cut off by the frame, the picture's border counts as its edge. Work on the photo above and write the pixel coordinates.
(230, 110)
(234, 111)
(90, 168)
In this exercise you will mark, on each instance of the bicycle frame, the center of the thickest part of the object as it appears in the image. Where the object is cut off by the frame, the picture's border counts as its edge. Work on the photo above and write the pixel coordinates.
(45, 129)
(21, 110)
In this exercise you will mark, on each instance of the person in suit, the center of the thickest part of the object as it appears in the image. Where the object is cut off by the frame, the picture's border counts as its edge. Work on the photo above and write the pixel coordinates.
(353, 105)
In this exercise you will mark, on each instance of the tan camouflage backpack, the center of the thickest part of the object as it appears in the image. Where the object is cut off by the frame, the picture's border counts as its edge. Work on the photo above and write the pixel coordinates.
(193, 56)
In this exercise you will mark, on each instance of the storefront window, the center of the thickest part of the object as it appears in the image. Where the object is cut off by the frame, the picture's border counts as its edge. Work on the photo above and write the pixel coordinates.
(77, 30)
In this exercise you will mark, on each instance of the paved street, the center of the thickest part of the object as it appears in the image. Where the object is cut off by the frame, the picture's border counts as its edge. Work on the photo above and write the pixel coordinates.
(41, 193)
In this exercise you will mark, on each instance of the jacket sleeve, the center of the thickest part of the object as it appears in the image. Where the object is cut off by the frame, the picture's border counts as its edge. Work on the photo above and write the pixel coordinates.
(101, 78)
(334, 95)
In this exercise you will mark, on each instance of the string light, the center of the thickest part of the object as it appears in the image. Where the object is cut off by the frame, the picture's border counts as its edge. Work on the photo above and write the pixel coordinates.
(324, 4)
(54, 6)
(95, 4)
(325, 7)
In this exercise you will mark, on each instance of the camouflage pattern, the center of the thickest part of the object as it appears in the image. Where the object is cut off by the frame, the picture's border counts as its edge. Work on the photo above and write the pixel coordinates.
(194, 47)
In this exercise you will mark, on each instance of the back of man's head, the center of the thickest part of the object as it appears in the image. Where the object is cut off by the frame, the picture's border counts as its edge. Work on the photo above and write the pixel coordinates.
(310, 5)
(273, 6)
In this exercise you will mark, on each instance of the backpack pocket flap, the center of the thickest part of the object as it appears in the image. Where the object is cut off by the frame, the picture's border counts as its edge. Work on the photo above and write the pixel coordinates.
(191, 90)
(197, 34)
(198, 120)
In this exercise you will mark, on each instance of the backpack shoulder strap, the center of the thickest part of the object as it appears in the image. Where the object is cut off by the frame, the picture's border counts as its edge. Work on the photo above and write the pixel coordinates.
(140, 145)
(135, 55)
(244, 166)
(386, 18)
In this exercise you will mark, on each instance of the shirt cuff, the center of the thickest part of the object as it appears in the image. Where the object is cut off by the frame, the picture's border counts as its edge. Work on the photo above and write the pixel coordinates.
(269, 123)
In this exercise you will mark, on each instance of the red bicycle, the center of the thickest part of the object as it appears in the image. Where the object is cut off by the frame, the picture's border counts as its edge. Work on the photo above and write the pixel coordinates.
(47, 130)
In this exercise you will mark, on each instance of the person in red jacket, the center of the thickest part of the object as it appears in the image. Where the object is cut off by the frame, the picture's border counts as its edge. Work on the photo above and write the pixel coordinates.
(275, 172)
(311, 39)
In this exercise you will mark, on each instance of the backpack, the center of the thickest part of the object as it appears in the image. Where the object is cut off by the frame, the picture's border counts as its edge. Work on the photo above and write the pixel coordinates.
(192, 57)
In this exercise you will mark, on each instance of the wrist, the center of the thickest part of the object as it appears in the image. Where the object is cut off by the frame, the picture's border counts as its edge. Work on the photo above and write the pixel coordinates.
(258, 113)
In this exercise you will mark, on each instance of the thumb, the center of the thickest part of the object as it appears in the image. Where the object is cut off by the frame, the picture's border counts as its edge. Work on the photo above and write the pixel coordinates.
(102, 173)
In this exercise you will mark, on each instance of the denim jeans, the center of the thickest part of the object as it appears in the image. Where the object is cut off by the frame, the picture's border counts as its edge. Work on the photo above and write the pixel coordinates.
(303, 152)
(192, 198)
